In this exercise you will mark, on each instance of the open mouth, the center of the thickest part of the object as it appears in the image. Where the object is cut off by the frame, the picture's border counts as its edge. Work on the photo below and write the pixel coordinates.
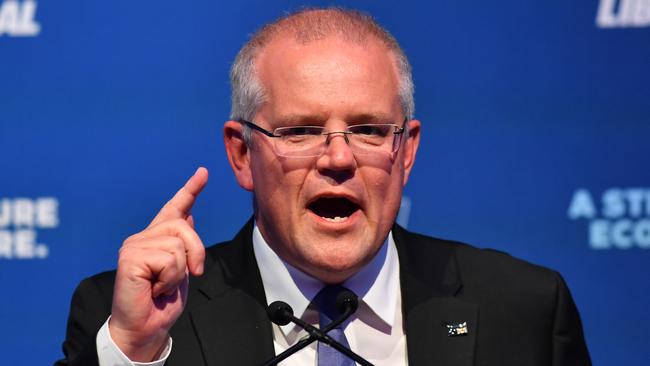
(333, 209)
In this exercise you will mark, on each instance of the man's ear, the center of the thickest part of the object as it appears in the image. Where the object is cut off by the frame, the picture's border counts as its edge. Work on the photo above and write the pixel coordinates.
(238, 153)
(411, 147)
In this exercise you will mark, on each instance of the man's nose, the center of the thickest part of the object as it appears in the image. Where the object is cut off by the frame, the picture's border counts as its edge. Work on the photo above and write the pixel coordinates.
(338, 155)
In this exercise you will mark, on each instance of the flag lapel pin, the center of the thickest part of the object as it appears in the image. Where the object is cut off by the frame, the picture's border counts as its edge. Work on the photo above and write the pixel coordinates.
(457, 329)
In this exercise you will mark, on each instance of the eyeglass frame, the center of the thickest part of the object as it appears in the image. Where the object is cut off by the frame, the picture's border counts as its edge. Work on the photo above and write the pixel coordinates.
(399, 131)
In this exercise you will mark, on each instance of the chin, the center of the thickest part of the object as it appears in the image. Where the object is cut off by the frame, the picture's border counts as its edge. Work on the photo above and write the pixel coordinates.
(335, 267)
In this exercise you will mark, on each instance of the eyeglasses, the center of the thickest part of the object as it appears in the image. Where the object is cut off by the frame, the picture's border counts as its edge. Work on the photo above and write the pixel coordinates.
(312, 141)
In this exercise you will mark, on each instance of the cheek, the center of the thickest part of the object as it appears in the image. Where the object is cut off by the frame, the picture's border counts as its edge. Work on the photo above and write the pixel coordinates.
(384, 180)
(378, 187)
(277, 183)
(385, 191)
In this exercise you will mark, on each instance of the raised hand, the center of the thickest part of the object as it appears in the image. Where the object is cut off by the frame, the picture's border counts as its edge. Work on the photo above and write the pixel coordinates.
(152, 275)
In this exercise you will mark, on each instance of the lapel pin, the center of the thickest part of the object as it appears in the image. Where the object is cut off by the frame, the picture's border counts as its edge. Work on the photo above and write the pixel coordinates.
(457, 329)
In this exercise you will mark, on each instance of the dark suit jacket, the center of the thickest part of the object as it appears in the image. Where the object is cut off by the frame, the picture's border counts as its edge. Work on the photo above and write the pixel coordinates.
(517, 313)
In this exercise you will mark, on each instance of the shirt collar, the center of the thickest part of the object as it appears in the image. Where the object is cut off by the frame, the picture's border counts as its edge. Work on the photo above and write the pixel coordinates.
(376, 284)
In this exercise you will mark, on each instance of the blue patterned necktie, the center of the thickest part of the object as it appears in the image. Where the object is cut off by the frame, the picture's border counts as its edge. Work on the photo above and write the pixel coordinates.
(325, 300)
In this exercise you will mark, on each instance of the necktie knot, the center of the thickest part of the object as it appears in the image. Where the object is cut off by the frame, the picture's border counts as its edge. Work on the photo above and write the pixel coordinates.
(325, 301)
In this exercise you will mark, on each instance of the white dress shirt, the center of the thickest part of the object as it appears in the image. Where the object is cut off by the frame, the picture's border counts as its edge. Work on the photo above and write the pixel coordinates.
(109, 354)
(374, 331)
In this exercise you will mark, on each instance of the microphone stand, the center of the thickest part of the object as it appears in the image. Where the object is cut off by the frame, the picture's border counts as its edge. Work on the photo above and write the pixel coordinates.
(316, 334)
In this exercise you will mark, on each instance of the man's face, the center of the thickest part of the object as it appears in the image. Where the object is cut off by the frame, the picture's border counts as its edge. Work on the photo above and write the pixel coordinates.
(327, 215)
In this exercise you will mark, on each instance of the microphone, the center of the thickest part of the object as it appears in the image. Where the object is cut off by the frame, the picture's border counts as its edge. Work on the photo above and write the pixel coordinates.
(281, 313)
(346, 304)
(277, 312)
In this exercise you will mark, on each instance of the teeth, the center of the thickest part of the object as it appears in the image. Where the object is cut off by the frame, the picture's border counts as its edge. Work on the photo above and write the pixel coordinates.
(335, 219)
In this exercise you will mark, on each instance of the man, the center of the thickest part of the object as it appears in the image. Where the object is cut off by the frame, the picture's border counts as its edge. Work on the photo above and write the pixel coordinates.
(322, 133)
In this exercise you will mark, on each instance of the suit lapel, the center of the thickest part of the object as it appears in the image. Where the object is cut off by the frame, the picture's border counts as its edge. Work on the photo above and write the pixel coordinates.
(227, 305)
(228, 309)
(430, 282)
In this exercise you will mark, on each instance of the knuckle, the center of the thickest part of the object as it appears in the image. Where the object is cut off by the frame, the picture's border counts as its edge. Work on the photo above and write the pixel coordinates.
(124, 251)
(176, 244)
(199, 253)
(180, 227)
(125, 258)
(171, 276)
(171, 269)
(170, 260)
(131, 239)
(180, 222)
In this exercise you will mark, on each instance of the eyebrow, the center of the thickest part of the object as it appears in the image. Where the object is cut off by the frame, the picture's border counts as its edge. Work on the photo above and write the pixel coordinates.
(320, 119)
(371, 118)
(302, 120)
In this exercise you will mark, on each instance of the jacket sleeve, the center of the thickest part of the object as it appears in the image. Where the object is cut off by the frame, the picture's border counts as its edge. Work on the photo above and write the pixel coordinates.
(569, 347)
(89, 309)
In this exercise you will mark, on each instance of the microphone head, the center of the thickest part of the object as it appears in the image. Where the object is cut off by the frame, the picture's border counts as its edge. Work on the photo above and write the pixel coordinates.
(279, 312)
(345, 300)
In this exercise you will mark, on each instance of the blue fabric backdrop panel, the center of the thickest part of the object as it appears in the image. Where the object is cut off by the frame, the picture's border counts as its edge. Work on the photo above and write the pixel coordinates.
(536, 117)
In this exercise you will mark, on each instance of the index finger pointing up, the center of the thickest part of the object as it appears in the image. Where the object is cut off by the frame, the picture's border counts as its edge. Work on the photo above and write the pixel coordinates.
(181, 204)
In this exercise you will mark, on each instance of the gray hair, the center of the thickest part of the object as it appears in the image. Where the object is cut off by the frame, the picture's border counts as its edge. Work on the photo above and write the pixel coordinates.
(308, 25)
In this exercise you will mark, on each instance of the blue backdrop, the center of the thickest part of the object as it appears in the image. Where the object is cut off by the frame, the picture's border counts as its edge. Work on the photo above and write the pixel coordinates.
(536, 123)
